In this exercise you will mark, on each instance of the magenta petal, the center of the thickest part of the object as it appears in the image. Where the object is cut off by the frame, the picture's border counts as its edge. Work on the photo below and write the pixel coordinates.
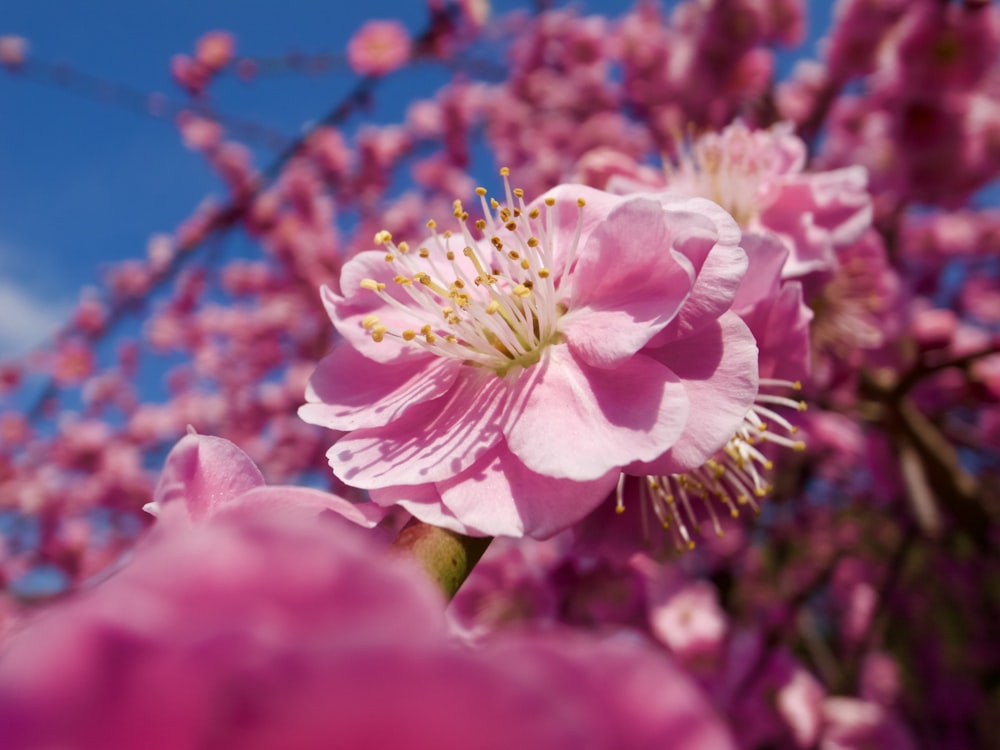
(500, 496)
(205, 472)
(627, 286)
(431, 441)
(570, 420)
(718, 366)
(349, 391)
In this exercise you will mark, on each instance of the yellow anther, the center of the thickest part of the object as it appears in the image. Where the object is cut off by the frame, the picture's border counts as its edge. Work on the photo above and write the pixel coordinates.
(372, 285)
(620, 509)
(422, 278)
(521, 291)
(798, 445)
(797, 385)
(534, 213)
(511, 225)
(426, 329)
(513, 255)
(525, 264)
(518, 192)
(550, 201)
(409, 335)
(544, 273)
(450, 255)
(492, 307)
(504, 172)
(480, 191)
(802, 406)
(378, 333)
(493, 204)
(424, 252)
(403, 280)
(451, 339)
(430, 338)
(532, 242)
(446, 234)
(382, 237)
(480, 224)
(389, 257)
(403, 247)
(431, 224)
(581, 202)
(369, 321)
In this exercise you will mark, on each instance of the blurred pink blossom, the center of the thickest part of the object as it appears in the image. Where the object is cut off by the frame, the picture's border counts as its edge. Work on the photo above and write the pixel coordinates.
(379, 47)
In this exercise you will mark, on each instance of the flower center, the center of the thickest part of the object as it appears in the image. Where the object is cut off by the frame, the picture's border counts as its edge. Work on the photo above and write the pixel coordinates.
(490, 301)
(731, 168)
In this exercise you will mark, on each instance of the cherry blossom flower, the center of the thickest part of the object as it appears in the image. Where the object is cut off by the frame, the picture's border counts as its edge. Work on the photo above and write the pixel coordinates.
(497, 384)
(379, 47)
(758, 176)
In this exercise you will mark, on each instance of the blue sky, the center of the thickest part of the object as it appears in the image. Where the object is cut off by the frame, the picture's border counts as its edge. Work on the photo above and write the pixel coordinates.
(83, 183)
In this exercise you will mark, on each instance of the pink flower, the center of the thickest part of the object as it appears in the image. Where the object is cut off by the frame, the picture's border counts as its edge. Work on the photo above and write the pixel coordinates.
(215, 50)
(13, 50)
(497, 383)
(379, 47)
(262, 631)
(758, 176)
(204, 476)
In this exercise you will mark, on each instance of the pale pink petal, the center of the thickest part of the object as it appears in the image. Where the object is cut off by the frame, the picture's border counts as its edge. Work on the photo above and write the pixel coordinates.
(570, 420)
(712, 294)
(430, 442)
(501, 496)
(718, 367)
(204, 472)
(423, 502)
(628, 284)
(349, 309)
(349, 391)
(766, 256)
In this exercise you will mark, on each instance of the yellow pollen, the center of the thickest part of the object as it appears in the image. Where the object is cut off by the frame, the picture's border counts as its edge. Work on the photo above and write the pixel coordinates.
(378, 333)
(369, 321)
(389, 257)
(581, 202)
(518, 193)
(534, 213)
(532, 242)
(504, 171)
(525, 264)
(425, 253)
(550, 202)
(492, 307)
(544, 273)
(403, 247)
(511, 225)
(372, 285)
(521, 291)
(431, 224)
(403, 280)
(480, 224)
(481, 191)
(382, 237)
(409, 335)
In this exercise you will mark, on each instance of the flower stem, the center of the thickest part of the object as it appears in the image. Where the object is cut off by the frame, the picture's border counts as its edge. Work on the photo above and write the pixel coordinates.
(448, 557)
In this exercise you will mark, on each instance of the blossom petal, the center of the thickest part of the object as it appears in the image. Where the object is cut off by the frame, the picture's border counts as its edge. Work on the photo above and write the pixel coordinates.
(432, 441)
(204, 472)
(349, 391)
(718, 367)
(305, 502)
(500, 496)
(628, 284)
(570, 420)
(349, 309)
(712, 294)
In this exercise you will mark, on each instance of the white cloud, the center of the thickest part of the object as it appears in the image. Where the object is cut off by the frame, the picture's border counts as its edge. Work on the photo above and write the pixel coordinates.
(26, 320)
